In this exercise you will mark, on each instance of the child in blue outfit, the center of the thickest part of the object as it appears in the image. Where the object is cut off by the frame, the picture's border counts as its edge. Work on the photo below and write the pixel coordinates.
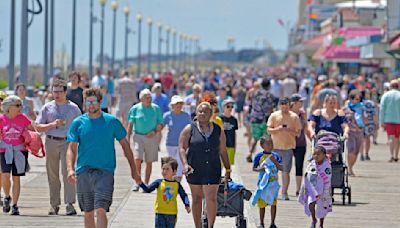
(168, 188)
(267, 185)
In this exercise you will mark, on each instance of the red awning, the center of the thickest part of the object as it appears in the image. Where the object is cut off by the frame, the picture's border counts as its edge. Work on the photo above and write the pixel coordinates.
(349, 32)
(337, 53)
(341, 52)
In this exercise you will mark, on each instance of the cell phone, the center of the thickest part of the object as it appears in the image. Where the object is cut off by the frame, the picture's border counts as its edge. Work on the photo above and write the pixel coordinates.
(284, 125)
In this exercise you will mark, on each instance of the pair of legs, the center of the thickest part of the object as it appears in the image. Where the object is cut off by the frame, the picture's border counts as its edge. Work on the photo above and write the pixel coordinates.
(285, 182)
(354, 146)
(209, 192)
(313, 216)
(394, 145)
(56, 155)
(366, 147)
(101, 219)
(16, 187)
(149, 168)
(273, 215)
(299, 155)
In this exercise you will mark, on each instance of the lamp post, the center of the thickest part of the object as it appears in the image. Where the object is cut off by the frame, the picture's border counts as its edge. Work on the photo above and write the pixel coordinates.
(73, 34)
(150, 23)
(91, 41)
(160, 26)
(167, 31)
(180, 51)
(126, 12)
(196, 52)
(139, 19)
(114, 7)
(51, 41)
(102, 3)
(11, 64)
(174, 32)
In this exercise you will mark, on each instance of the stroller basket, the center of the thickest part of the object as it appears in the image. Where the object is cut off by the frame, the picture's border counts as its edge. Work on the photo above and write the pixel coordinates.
(234, 205)
(338, 172)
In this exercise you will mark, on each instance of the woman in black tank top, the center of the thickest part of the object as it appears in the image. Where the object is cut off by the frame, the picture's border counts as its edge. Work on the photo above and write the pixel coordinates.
(201, 147)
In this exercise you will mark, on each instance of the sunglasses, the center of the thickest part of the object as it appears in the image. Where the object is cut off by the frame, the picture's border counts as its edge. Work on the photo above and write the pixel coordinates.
(229, 106)
(17, 105)
(92, 103)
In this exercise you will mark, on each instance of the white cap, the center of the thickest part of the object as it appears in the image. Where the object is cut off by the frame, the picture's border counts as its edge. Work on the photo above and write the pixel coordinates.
(176, 99)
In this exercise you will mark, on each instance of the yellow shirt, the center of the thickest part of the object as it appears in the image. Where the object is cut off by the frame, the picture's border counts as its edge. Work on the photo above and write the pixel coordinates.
(284, 140)
(167, 192)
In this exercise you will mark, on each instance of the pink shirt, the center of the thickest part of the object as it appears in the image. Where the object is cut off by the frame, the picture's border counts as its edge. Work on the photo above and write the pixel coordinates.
(11, 129)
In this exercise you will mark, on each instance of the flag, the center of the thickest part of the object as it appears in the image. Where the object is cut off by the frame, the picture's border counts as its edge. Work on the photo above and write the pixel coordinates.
(281, 23)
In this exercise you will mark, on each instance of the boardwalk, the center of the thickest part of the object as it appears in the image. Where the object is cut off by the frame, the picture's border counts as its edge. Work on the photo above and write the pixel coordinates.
(376, 199)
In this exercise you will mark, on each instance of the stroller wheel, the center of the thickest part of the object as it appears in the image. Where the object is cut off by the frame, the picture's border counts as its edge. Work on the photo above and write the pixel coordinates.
(344, 196)
(349, 195)
(241, 222)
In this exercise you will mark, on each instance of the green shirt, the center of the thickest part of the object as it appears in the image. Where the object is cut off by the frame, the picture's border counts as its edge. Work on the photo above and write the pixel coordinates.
(145, 119)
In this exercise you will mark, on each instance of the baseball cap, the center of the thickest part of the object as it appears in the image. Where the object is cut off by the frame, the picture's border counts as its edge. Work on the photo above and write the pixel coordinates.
(228, 101)
(176, 99)
(297, 97)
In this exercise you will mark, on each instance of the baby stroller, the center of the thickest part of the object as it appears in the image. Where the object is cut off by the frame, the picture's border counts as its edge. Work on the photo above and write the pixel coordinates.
(334, 145)
(230, 203)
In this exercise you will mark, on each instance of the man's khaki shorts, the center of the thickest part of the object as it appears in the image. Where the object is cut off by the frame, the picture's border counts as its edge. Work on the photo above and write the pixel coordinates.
(146, 149)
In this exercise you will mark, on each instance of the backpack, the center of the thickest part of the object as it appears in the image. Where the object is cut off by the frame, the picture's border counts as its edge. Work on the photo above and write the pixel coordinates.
(34, 143)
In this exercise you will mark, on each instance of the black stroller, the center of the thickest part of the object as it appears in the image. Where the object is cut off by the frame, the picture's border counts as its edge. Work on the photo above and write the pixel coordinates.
(230, 204)
(334, 145)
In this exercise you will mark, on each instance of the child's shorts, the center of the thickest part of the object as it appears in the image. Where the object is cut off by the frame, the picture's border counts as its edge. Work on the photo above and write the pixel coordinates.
(165, 221)
(262, 204)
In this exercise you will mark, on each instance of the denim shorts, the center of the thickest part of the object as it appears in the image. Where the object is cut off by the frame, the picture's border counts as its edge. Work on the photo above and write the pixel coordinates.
(95, 189)
(165, 221)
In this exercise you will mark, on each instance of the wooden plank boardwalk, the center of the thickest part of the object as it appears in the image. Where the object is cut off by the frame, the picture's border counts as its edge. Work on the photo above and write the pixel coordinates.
(376, 198)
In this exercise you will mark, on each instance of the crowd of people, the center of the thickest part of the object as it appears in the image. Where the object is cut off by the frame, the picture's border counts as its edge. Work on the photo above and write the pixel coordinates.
(200, 114)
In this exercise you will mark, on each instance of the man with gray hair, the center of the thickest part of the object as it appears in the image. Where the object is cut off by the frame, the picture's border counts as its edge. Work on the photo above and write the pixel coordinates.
(147, 119)
(55, 119)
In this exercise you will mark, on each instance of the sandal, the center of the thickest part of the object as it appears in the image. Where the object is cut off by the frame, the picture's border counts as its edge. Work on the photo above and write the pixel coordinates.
(391, 159)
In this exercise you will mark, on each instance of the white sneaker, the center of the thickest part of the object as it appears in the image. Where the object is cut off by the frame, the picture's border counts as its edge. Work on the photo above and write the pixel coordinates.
(135, 188)
(285, 197)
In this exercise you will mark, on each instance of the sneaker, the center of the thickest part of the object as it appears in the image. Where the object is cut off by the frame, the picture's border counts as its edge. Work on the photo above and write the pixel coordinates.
(135, 188)
(285, 197)
(6, 204)
(15, 210)
(54, 210)
(367, 157)
(313, 224)
(362, 158)
(249, 158)
(273, 226)
(70, 210)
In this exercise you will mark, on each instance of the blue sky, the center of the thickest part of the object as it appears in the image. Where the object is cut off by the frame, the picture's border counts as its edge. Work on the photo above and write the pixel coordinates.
(212, 20)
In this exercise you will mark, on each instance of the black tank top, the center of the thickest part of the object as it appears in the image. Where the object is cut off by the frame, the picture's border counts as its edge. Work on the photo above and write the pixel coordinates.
(203, 156)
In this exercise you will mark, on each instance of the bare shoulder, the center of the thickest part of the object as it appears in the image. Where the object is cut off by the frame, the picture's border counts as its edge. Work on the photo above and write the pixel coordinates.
(341, 112)
(317, 112)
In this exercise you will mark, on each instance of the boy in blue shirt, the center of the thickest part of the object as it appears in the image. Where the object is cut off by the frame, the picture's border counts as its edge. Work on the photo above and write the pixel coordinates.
(267, 145)
(168, 188)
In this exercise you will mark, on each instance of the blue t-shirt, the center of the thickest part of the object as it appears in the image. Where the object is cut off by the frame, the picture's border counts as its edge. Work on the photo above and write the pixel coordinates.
(161, 101)
(96, 141)
(175, 124)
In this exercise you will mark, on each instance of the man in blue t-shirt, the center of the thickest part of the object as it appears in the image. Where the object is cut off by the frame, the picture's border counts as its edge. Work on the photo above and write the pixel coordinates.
(94, 174)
